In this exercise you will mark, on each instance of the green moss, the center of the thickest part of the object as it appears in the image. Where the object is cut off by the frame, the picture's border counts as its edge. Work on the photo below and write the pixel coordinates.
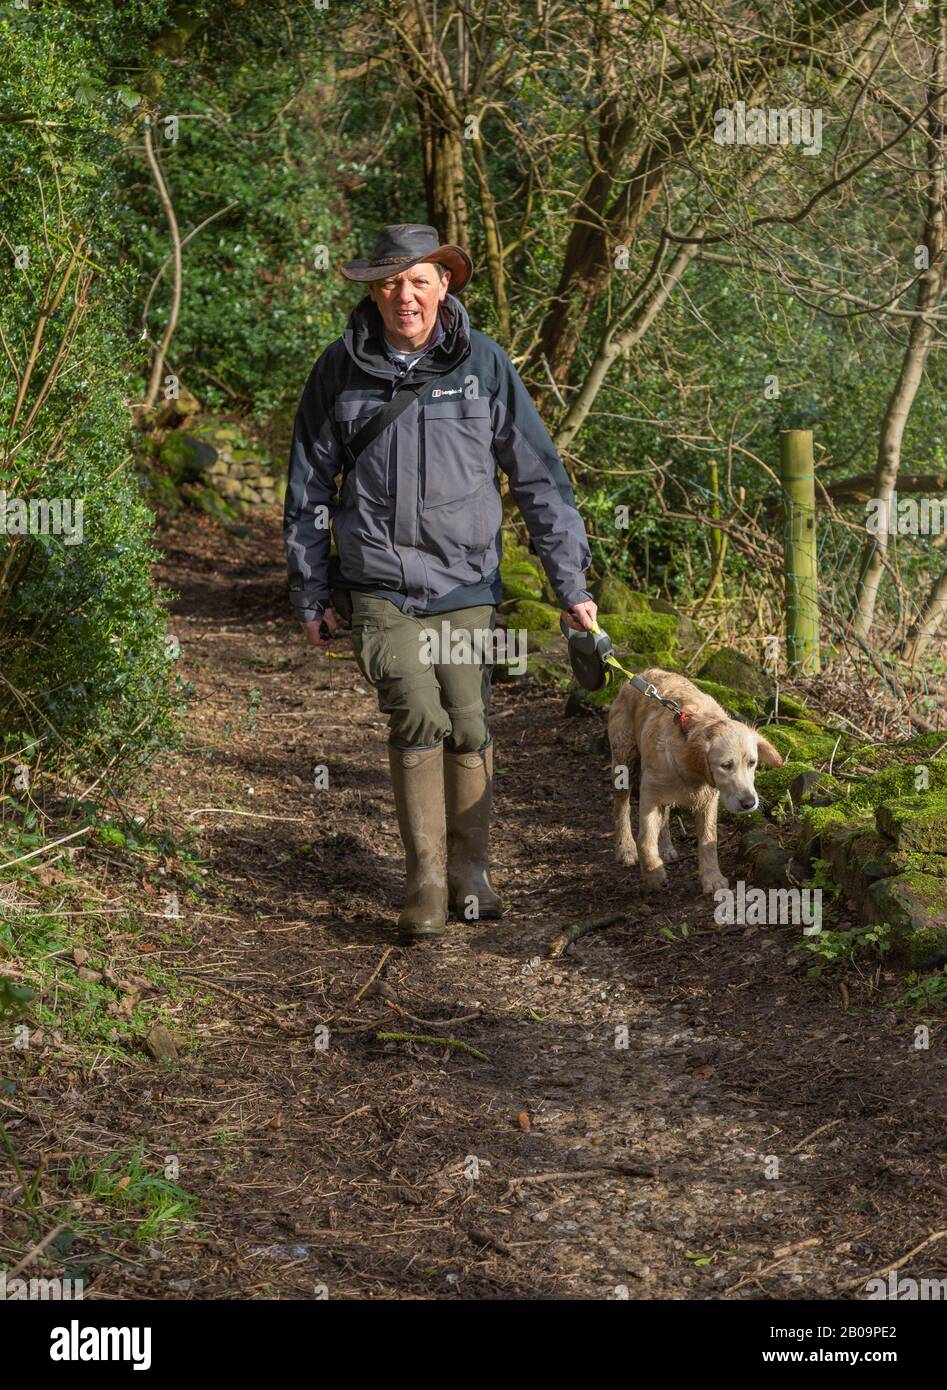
(736, 702)
(913, 905)
(162, 493)
(915, 822)
(523, 574)
(534, 616)
(615, 596)
(788, 706)
(547, 671)
(911, 752)
(730, 667)
(654, 633)
(906, 860)
(772, 783)
(514, 592)
(815, 820)
(801, 744)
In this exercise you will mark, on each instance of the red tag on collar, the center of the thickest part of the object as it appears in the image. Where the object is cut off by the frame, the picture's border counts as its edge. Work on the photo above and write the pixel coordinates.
(680, 719)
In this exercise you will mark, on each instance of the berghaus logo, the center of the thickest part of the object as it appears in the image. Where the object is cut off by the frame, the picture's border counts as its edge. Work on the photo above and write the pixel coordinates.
(441, 391)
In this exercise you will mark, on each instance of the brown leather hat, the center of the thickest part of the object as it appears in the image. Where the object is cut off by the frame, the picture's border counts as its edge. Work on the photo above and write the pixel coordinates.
(405, 244)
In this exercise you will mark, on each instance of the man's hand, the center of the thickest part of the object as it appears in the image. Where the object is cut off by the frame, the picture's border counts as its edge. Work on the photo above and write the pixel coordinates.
(315, 631)
(581, 616)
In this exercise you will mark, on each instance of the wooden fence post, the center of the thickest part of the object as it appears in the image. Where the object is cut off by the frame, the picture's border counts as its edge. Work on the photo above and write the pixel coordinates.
(801, 565)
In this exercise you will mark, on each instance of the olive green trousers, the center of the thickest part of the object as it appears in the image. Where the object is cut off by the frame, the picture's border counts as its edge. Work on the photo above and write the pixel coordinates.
(432, 681)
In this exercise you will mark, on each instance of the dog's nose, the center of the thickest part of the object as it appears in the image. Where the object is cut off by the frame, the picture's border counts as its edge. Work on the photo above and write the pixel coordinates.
(749, 803)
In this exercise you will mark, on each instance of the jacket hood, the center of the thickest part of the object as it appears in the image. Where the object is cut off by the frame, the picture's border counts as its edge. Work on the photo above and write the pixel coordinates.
(364, 341)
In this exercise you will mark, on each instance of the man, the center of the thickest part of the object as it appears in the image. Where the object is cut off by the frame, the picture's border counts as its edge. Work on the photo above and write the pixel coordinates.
(416, 410)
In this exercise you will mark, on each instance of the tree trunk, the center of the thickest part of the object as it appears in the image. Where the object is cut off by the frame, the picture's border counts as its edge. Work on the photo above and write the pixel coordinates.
(440, 122)
(929, 291)
(928, 622)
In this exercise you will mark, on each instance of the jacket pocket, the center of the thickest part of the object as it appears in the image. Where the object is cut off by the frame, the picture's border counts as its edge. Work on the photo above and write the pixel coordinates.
(458, 450)
(369, 476)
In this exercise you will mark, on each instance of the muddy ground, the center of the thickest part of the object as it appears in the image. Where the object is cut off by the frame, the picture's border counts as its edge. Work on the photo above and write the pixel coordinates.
(658, 1115)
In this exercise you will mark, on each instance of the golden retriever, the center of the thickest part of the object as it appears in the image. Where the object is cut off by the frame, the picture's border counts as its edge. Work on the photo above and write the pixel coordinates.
(694, 764)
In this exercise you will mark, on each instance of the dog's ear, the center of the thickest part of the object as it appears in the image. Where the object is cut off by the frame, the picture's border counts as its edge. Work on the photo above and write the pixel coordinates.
(697, 739)
(766, 753)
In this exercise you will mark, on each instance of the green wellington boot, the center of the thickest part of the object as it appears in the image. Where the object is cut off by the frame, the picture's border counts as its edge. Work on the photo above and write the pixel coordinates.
(417, 776)
(468, 793)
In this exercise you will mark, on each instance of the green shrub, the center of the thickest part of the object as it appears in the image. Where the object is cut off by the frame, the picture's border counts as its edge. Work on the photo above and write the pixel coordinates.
(86, 671)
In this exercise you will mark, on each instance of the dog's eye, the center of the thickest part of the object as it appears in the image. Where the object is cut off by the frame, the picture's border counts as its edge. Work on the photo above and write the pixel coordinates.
(727, 767)
(752, 763)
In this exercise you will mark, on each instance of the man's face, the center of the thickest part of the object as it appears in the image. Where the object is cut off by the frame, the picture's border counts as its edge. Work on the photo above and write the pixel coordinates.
(408, 304)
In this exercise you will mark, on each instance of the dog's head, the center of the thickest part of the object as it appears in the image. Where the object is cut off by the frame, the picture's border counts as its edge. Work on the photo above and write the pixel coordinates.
(727, 754)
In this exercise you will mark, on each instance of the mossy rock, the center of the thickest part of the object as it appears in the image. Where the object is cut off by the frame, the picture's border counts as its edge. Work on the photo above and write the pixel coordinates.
(209, 500)
(785, 706)
(917, 750)
(801, 741)
(857, 858)
(210, 428)
(170, 413)
(652, 634)
(916, 823)
(251, 458)
(526, 576)
(615, 596)
(730, 667)
(521, 580)
(514, 593)
(616, 599)
(816, 820)
(897, 782)
(735, 702)
(900, 861)
(914, 906)
(534, 616)
(185, 458)
(520, 563)
(162, 493)
(547, 671)
(773, 783)
(764, 858)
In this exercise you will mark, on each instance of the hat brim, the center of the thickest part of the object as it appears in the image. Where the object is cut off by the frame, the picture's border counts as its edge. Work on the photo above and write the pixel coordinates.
(454, 257)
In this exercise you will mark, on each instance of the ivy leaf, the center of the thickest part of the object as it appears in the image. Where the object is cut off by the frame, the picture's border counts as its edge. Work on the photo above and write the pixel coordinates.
(13, 998)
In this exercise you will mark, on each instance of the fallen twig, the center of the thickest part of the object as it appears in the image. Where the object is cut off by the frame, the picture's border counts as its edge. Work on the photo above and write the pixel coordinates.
(889, 1269)
(438, 1042)
(38, 1249)
(44, 849)
(433, 1022)
(372, 977)
(822, 1128)
(561, 943)
(249, 1004)
(630, 1170)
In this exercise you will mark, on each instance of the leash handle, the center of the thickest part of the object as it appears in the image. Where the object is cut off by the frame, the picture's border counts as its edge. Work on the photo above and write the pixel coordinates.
(604, 647)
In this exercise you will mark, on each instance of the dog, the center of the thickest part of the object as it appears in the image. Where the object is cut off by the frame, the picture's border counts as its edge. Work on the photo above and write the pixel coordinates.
(694, 762)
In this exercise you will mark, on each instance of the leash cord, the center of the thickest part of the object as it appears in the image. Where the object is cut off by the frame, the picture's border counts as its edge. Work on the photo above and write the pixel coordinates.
(640, 684)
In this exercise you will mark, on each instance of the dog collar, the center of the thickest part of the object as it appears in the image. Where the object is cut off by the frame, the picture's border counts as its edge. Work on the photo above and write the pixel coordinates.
(680, 718)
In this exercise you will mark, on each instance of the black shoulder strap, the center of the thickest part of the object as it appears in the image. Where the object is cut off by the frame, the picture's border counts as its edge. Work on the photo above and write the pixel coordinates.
(379, 422)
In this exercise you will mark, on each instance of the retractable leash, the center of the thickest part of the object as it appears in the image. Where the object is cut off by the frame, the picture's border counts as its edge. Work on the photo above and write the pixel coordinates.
(593, 659)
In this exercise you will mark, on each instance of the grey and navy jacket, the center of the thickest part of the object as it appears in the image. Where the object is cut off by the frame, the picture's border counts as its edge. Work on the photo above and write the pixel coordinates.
(419, 516)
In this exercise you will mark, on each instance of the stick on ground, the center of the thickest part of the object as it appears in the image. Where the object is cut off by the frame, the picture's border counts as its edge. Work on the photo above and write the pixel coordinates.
(561, 943)
(438, 1042)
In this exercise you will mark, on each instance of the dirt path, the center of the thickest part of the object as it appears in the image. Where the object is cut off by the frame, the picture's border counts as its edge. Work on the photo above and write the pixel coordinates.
(562, 1165)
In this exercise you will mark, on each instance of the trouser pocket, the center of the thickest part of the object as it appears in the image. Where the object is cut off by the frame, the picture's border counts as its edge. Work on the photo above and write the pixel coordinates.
(370, 645)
